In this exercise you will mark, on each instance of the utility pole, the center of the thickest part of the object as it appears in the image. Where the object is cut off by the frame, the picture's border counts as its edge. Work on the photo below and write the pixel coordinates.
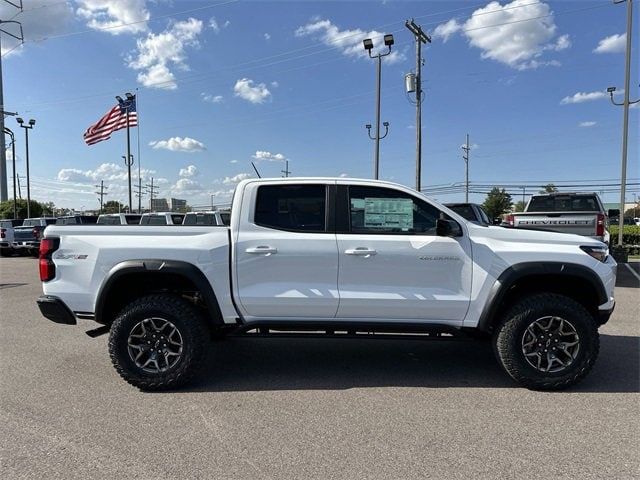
(368, 46)
(3, 154)
(286, 171)
(465, 157)
(19, 188)
(139, 193)
(101, 193)
(421, 38)
(152, 192)
(625, 104)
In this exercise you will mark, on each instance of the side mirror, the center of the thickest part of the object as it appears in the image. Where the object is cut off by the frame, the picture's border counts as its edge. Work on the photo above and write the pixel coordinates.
(613, 212)
(447, 228)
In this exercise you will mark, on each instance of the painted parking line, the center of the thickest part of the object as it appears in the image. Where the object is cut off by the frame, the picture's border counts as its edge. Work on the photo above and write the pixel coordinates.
(633, 272)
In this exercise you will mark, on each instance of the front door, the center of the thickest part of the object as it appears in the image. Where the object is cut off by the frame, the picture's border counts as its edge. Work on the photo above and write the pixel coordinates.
(392, 264)
(286, 261)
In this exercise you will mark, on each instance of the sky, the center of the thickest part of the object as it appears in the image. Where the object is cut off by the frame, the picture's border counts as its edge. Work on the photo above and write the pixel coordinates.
(226, 83)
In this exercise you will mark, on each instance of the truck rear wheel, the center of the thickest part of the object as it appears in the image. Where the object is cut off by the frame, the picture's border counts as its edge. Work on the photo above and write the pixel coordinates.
(158, 342)
(547, 342)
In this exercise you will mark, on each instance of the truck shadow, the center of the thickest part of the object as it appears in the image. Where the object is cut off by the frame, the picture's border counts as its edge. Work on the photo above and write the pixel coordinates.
(258, 364)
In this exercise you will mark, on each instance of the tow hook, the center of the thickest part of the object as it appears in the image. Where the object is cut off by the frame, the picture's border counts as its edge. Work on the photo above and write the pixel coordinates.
(96, 332)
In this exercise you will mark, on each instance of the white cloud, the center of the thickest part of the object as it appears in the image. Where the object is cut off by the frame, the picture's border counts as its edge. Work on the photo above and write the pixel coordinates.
(587, 124)
(236, 178)
(344, 175)
(208, 97)
(612, 44)
(267, 36)
(348, 41)
(157, 52)
(515, 34)
(582, 97)
(233, 161)
(178, 144)
(189, 171)
(40, 19)
(446, 29)
(271, 157)
(109, 14)
(275, 84)
(254, 93)
(186, 186)
(107, 171)
(215, 26)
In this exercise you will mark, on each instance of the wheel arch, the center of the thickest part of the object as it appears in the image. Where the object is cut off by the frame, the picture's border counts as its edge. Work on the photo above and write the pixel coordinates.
(573, 280)
(131, 278)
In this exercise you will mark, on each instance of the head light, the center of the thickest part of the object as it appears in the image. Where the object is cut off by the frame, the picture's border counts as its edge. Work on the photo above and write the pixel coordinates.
(599, 253)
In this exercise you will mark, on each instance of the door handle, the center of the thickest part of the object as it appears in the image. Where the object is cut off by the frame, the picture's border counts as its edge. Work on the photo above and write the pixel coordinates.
(262, 249)
(360, 251)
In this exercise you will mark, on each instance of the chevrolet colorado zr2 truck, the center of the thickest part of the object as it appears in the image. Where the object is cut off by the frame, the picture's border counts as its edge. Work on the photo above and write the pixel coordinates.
(337, 257)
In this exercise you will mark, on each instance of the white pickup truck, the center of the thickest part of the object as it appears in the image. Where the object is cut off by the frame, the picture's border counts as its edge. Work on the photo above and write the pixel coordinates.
(336, 256)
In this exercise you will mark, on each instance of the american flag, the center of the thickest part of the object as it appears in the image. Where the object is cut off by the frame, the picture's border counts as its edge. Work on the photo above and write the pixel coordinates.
(115, 119)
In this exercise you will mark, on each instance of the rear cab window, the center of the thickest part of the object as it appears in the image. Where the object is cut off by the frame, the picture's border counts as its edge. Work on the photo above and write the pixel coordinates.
(564, 203)
(294, 208)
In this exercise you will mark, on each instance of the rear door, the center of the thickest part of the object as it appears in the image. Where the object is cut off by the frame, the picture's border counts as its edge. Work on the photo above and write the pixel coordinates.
(392, 265)
(286, 256)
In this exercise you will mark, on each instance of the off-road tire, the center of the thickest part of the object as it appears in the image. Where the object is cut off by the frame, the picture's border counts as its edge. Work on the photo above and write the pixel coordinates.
(184, 316)
(508, 338)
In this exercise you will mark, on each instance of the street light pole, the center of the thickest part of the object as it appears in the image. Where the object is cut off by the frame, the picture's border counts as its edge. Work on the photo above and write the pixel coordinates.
(28, 127)
(368, 46)
(625, 104)
(13, 157)
(465, 157)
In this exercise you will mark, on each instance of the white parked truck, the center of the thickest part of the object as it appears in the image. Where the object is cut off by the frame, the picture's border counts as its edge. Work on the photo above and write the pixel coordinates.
(337, 256)
(578, 213)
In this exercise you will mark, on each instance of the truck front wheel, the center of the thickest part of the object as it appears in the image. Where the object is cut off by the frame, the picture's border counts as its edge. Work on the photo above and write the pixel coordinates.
(158, 342)
(547, 342)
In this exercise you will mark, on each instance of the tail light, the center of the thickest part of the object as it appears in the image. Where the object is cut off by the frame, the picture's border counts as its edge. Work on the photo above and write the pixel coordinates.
(511, 220)
(47, 267)
(2, 234)
(600, 225)
(36, 233)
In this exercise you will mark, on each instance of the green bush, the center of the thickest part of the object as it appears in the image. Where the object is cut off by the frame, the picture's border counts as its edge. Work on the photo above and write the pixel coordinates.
(630, 235)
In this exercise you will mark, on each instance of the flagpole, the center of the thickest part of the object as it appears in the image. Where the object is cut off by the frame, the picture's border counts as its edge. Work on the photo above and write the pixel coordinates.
(138, 138)
(128, 160)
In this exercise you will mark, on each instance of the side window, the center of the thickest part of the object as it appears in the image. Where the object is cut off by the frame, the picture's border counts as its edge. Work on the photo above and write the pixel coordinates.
(383, 210)
(297, 208)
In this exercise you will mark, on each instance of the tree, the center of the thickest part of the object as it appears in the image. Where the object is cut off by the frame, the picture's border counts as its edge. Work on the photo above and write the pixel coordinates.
(113, 206)
(498, 201)
(633, 211)
(6, 209)
(519, 206)
(549, 188)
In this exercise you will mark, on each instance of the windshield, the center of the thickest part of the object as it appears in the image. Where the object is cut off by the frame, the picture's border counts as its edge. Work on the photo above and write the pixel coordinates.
(564, 203)
(465, 211)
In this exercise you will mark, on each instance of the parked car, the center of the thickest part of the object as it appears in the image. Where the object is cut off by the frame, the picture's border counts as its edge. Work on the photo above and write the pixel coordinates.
(119, 219)
(212, 217)
(471, 212)
(7, 236)
(162, 218)
(76, 220)
(338, 256)
(27, 237)
(578, 213)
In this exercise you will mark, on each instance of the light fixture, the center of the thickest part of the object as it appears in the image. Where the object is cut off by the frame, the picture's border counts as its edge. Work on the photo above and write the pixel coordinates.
(32, 122)
(611, 89)
(368, 43)
(388, 40)
(19, 120)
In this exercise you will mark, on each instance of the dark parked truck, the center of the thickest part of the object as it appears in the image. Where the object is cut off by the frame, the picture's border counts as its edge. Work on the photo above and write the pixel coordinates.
(26, 238)
(577, 213)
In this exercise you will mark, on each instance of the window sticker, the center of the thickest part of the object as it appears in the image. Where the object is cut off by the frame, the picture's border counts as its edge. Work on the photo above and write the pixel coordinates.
(389, 213)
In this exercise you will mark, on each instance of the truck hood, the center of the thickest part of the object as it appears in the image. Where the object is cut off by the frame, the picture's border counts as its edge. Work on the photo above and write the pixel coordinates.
(521, 235)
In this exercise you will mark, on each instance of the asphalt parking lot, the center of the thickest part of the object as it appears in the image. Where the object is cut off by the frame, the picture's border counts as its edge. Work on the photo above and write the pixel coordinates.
(309, 408)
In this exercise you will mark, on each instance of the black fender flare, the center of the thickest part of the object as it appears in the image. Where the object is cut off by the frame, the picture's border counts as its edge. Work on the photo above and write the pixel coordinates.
(153, 266)
(529, 269)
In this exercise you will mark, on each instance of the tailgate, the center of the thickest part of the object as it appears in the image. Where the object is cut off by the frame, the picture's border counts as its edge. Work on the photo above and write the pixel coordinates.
(575, 222)
(23, 234)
